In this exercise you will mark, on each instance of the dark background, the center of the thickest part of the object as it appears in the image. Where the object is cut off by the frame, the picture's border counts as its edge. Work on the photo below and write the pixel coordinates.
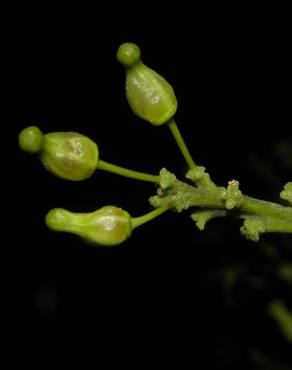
(164, 290)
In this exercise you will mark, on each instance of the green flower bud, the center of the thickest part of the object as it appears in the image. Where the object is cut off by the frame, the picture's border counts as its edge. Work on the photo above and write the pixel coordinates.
(232, 195)
(252, 228)
(69, 155)
(107, 226)
(150, 96)
(31, 139)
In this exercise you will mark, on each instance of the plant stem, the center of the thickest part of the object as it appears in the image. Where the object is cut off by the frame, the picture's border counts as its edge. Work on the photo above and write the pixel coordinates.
(180, 142)
(102, 165)
(276, 218)
(268, 209)
(182, 196)
(137, 221)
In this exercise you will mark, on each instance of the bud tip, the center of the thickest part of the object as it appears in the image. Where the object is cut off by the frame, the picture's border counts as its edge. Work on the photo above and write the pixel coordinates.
(128, 54)
(55, 219)
(30, 139)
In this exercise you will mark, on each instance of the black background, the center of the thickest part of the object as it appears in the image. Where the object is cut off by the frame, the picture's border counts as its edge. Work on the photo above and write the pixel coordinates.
(159, 291)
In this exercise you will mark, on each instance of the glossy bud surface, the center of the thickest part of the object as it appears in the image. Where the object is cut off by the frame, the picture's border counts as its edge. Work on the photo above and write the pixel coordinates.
(107, 226)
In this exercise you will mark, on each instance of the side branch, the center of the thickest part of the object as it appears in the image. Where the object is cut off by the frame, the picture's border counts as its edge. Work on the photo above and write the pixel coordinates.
(259, 216)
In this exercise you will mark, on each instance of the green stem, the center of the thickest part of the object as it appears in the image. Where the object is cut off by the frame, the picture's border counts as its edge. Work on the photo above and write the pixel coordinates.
(268, 209)
(102, 165)
(181, 196)
(180, 142)
(276, 218)
(137, 221)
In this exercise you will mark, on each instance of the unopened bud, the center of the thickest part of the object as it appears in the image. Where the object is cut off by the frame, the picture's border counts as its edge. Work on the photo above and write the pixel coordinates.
(107, 226)
(150, 96)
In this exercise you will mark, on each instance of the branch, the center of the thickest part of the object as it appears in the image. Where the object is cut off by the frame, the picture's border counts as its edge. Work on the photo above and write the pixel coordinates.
(212, 201)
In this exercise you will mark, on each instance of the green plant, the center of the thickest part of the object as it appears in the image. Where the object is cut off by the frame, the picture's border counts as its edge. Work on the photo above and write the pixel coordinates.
(72, 156)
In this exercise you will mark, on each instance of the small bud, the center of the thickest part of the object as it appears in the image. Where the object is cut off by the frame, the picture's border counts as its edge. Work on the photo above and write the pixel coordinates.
(167, 179)
(232, 195)
(252, 228)
(31, 139)
(107, 226)
(69, 155)
(286, 194)
(150, 96)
